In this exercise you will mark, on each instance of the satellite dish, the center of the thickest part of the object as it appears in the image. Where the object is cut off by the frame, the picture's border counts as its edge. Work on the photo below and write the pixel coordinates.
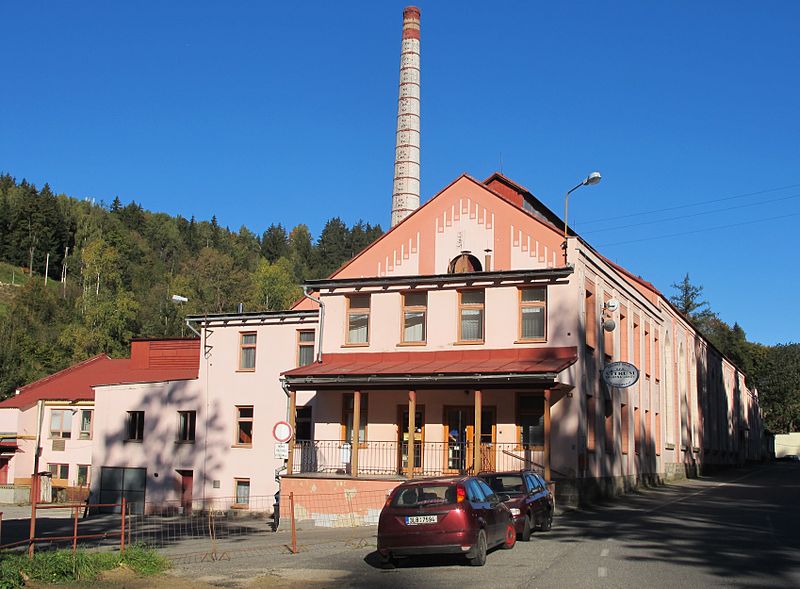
(612, 304)
(609, 325)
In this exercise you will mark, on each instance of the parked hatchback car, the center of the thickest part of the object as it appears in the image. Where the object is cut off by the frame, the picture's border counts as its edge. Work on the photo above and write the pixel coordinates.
(459, 515)
(530, 500)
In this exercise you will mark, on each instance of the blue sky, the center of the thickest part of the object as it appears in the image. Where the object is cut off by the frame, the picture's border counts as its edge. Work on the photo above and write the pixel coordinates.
(285, 112)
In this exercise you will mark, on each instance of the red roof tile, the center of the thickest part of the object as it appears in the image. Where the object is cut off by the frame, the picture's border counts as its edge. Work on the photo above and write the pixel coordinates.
(519, 360)
(181, 361)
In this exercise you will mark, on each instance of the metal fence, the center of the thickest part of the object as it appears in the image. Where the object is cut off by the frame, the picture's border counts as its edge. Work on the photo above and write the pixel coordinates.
(390, 458)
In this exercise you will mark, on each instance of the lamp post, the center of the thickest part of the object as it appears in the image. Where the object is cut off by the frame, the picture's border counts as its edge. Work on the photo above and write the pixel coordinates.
(590, 180)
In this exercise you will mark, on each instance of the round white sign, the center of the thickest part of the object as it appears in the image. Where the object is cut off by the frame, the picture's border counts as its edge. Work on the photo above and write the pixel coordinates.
(620, 374)
(282, 432)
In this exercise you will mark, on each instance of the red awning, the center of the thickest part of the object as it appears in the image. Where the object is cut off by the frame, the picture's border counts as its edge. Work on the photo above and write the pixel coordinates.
(451, 362)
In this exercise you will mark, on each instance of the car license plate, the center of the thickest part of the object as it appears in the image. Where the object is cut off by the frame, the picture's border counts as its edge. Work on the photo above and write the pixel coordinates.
(415, 520)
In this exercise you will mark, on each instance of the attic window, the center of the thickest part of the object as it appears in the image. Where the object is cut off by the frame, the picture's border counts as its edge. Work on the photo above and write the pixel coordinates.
(464, 263)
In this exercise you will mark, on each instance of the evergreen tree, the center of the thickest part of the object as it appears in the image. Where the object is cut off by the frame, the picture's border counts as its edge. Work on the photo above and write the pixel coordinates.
(301, 252)
(332, 247)
(275, 243)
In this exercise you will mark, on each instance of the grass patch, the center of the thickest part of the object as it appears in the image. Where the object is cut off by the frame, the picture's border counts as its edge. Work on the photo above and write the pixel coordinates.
(61, 566)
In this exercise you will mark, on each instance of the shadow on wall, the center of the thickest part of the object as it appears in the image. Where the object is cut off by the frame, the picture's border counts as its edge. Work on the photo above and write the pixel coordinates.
(164, 454)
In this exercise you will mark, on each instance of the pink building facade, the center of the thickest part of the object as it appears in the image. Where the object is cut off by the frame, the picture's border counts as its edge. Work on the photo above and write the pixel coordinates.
(57, 414)
(465, 339)
(187, 442)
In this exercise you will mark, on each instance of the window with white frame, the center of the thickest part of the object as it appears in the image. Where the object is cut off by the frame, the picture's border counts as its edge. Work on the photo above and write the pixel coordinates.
(61, 423)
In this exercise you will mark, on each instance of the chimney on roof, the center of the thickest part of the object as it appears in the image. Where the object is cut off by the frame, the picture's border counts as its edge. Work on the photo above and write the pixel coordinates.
(405, 192)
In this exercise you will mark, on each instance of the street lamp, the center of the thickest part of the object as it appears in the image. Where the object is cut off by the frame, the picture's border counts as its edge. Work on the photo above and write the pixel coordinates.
(590, 180)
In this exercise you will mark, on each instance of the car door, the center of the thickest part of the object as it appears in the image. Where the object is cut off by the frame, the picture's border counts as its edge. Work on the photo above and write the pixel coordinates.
(534, 496)
(478, 507)
(496, 514)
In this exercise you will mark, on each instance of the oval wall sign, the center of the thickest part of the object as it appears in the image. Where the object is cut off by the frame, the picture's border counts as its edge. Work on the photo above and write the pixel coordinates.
(620, 374)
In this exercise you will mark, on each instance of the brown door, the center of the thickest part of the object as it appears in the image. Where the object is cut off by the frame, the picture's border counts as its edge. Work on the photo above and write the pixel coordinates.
(459, 425)
(187, 482)
(419, 438)
(4, 470)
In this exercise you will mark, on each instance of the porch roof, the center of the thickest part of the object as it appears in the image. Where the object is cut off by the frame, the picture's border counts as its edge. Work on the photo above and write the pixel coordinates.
(450, 366)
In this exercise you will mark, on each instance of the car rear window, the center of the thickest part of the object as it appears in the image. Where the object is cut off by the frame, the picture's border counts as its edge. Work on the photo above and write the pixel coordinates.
(423, 495)
(505, 483)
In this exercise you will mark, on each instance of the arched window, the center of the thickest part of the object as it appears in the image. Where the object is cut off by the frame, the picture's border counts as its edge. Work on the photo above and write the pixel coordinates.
(464, 263)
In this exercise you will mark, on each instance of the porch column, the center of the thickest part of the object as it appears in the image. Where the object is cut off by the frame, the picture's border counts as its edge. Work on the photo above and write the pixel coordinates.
(356, 442)
(291, 418)
(476, 452)
(547, 434)
(412, 426)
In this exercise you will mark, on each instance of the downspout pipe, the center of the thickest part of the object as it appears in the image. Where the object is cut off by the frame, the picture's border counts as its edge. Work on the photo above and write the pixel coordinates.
(321, 321)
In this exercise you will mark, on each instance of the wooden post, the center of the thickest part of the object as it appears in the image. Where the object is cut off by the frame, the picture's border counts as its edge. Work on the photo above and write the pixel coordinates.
(547, 435)
(122, 534)
(476, 452)
(75, 532)
(34, 500)
(294, 528)
(292, 418)
(412, 427)
(355, 441)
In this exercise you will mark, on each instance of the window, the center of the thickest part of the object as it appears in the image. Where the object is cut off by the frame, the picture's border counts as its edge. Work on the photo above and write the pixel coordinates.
(530, 420)
(591, 316)
(186, 425)
(242, 487)
(302, 423)
(623, 334)
(86, 425)
(59, 471)
(244, 425)
(658, 435)
(590, 422)
(415, 311)
(135, 426)
(647, 349)
(347, 418)
(358, 320)
(83, 475)
(637, 341)
(470, 311)
(247, 351)
(609, 426)
(647, 435)
(637, 431)
(657, 355)
(305, 347)
(625, 416)
(532, 314)
(61, 423)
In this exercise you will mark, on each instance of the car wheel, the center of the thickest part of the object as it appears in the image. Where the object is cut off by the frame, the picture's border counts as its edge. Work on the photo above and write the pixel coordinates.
(547, 521)
(511, 536)
(480, 551)
(527, 529)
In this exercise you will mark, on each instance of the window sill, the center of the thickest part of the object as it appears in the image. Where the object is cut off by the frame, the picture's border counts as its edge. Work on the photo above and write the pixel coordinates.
(364, 345)
(406, 344)
(133, 441)
(531, 341)
(470, 343)
(245, 370)
(239, 506)
(242, 446)
(182, 442)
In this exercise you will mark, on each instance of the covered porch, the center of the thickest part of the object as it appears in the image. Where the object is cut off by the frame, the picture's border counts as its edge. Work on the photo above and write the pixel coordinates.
(452, 412)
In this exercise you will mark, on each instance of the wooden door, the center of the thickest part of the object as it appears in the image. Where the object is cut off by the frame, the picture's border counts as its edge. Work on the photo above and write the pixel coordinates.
(419, 438)
(187, 484)
(459, 425)
(4, 470)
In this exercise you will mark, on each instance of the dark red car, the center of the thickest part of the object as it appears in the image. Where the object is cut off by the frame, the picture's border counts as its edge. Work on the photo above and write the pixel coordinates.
(444, 516)
(530, 500)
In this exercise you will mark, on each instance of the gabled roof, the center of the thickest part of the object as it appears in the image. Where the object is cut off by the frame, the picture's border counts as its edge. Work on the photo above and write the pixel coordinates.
(148, 363)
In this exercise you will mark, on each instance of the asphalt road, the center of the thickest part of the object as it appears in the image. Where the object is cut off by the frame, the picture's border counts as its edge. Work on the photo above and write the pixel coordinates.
(740, 528)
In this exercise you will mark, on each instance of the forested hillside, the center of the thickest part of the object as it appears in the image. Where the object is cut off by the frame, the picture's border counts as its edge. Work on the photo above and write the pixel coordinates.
(122, 266)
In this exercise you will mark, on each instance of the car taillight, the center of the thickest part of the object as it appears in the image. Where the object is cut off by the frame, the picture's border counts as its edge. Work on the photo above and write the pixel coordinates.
(388, 500)
(461, 494)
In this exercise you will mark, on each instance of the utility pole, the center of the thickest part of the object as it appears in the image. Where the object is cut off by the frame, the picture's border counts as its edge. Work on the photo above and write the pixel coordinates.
(64, 273)
(46, 267)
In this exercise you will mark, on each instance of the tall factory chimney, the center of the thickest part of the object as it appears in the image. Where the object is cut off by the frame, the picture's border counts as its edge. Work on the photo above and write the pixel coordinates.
(405, 192)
